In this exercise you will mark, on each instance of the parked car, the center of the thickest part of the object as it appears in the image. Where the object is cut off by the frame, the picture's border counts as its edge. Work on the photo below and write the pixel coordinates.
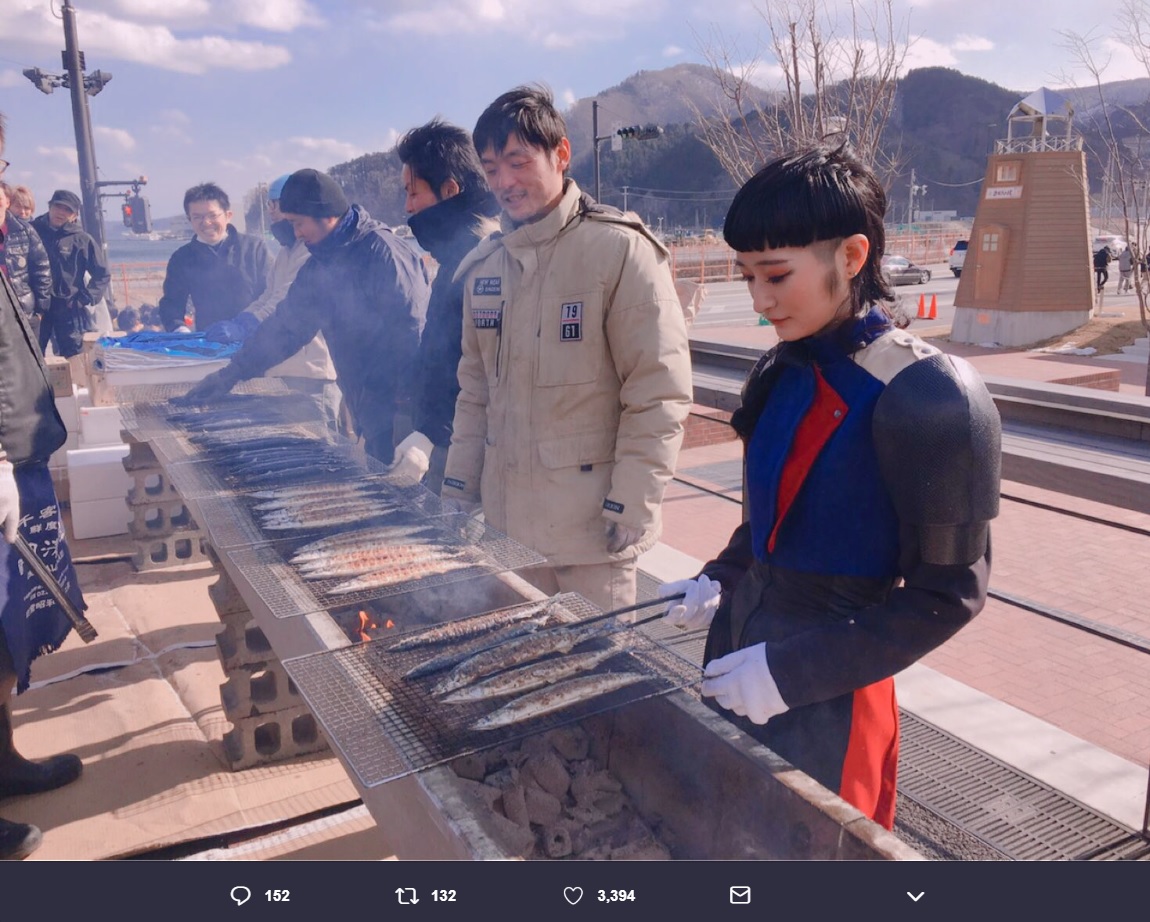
(957, 257)
(901, 271)
(1116, 243)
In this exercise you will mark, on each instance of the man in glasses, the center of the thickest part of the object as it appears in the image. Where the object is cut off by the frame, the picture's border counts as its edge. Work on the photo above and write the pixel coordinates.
(220, 270)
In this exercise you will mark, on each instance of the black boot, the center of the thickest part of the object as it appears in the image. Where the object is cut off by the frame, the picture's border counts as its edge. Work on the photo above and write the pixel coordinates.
(21, 776)
(18, 841)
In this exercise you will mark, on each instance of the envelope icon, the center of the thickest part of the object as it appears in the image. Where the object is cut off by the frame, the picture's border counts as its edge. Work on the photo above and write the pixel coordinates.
(741, 895)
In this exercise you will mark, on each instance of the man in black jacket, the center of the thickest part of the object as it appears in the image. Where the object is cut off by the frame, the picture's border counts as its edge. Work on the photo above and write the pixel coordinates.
(80, 275)
(221, 270)
(364, 288)
(451, 210)
(31, 622)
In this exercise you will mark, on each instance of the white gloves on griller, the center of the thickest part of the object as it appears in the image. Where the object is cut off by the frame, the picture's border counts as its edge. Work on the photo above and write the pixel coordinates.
(9, 502)
(742, 682)
(412, 459)
(699, 604)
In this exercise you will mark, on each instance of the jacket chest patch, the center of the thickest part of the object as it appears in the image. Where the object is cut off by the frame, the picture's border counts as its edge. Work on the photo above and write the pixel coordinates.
(571, 321)
(488, 285)
(487, 318)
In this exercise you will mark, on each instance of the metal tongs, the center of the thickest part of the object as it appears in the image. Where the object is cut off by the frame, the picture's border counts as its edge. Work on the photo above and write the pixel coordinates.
(638, 605)
(82, 625)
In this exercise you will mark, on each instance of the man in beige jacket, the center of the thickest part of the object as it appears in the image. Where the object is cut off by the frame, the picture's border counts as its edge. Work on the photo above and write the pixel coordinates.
(575, 377)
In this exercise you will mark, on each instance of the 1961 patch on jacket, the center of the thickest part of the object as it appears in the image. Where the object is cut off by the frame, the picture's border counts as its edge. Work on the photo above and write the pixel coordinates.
(571, 321)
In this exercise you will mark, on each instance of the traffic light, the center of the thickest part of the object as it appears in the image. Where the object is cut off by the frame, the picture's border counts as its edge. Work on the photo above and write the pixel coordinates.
(126, 211)
(639, 132)
(140, 214)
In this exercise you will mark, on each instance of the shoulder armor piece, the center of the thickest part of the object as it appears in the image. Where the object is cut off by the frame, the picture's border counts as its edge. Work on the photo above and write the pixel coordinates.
(938, 438)
(892, 352)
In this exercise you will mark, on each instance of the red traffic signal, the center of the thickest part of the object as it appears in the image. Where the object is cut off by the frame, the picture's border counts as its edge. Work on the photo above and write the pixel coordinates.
(126, 211)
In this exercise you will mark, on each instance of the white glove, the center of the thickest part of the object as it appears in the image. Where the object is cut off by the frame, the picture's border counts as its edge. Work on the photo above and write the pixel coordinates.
(620, 536)
(9, 502)
(699, 603)
(742, 682)
(412, 459)
(182, 328)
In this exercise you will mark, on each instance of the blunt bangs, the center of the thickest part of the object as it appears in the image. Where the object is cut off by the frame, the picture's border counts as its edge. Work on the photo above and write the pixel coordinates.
(795, 201)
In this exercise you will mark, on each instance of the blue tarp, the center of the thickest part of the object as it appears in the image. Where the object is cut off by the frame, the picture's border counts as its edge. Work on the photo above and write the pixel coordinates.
(193, 345)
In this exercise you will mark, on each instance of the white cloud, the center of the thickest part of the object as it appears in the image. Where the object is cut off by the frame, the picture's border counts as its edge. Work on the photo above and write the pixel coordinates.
(567, 99)
(549, 25)
(59, 153)
(274, 15)
(166, 10)
(171, 125)
(117, 137)
(107, 35)
(972, 43)
(926, 52)
(10, 78)
(672, 51)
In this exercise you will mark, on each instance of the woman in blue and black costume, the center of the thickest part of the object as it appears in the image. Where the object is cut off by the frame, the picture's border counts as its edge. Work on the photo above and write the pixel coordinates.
(871, 464)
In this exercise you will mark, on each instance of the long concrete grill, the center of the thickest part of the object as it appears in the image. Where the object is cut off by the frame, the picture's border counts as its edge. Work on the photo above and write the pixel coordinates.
(699, 786)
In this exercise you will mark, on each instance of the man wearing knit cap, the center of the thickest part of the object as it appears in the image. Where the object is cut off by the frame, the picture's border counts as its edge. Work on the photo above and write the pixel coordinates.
(310, 371)
(80, 276)
(364, 288)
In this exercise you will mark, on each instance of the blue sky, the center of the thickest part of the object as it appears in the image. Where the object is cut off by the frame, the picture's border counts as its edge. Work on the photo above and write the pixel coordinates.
(240, 91)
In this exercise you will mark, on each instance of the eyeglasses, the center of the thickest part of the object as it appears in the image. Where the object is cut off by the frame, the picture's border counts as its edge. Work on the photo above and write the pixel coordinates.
(4, 164)
(205, 218)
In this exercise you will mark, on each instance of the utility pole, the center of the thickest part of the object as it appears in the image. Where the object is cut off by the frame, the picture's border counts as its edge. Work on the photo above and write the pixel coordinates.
(85, 149)
(81, 88)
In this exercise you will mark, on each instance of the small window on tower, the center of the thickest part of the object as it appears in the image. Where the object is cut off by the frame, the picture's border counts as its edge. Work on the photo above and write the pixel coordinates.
(990, 243)
(1008, 172)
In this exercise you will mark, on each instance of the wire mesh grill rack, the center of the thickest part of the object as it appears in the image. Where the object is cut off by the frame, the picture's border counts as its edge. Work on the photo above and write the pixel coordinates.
(236, 519)
(483, 551)
(146, 409)
(387, 726)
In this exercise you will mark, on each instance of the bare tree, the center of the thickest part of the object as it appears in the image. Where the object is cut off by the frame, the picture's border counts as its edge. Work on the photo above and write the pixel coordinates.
(838, 69)
(1125, 139)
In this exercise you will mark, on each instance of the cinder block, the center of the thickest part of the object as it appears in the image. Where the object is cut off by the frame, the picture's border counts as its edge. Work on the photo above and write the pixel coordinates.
(140, 454)
(159, 520)
(262, 688)
(171, 551)
(273, 738)
(241, 642)
(100, 426)
(98, 518)
(149, 485)
(98, 473)
(224, 595)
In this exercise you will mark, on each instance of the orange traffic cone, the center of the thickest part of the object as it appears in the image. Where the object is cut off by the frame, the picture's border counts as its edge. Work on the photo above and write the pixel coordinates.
(933, 308)
(921, 307)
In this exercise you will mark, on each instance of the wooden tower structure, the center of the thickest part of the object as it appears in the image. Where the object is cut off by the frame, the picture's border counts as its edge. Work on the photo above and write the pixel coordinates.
(1027, 275)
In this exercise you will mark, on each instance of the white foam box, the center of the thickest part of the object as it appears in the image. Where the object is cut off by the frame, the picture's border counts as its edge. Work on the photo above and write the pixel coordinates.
(100, 426)
(98, 518)
(59, 458)
(83, 397)
(69, 410)
(98, 473)
(189, 371)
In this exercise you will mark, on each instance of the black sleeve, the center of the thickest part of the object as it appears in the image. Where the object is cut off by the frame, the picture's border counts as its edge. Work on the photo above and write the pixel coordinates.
(292, 325)
(173, 306)
(99, 278)
(440, 349)
(39, 271)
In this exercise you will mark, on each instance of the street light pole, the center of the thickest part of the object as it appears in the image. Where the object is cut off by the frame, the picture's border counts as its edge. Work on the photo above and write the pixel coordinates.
(85, 149)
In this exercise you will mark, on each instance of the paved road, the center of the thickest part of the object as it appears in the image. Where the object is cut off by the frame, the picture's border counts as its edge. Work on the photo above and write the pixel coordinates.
(729, 303)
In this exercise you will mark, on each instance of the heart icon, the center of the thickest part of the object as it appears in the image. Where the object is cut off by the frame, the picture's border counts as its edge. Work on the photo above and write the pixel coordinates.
(572, 894)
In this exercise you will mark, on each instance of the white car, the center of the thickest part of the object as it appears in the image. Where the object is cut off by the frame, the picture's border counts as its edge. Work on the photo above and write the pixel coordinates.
(1116, 243)
(957, 257)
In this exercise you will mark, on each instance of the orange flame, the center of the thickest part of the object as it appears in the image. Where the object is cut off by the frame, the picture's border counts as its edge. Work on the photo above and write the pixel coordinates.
(365, 624)
(390, 624)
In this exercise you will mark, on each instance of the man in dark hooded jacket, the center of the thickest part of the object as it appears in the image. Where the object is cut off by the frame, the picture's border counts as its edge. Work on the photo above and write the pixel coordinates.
(80, 276)
(451, 209)
(24, 262)
(365, 288)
